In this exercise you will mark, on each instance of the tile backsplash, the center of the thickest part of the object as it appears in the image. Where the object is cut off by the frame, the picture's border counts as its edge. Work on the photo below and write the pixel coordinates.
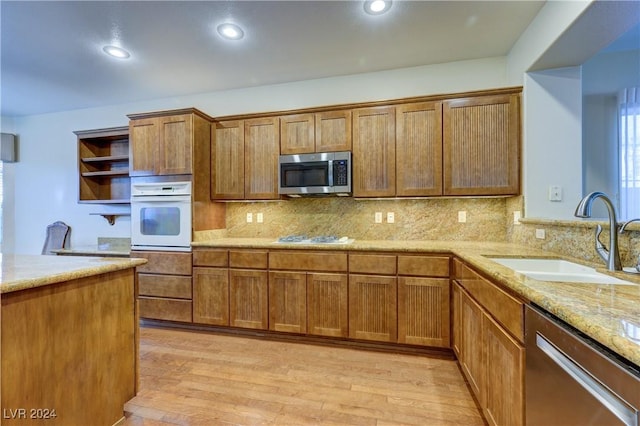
(414, 219)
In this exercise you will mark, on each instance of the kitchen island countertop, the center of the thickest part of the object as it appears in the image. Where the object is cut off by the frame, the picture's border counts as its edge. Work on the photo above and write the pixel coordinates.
(21, 272)
(607, 313)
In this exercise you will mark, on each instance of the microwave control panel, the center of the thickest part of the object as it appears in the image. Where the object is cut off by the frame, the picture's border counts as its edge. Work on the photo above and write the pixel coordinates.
(340, 172)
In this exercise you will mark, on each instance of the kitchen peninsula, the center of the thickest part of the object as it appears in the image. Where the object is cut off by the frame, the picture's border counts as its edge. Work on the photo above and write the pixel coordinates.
(69, 339)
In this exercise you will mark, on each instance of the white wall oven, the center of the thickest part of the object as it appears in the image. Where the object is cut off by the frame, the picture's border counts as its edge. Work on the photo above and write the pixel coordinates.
(161, 216)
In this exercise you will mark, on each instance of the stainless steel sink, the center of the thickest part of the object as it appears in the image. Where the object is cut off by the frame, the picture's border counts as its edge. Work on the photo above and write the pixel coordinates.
(558, 270)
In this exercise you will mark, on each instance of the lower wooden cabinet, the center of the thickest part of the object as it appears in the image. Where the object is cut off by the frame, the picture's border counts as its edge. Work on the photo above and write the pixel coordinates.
(490, 353)
(504, 390)
(373, 307)
(424, 311)
(327, 312)
(211, 296)
(248, 303)
(164, 289)
(288, 301)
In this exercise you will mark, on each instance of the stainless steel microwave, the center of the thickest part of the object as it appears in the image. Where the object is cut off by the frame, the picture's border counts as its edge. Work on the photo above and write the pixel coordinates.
(325, 173)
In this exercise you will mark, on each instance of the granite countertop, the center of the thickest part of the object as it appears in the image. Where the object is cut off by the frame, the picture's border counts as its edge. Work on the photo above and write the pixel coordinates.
(20, 272)
(608, 313)
(94, 251)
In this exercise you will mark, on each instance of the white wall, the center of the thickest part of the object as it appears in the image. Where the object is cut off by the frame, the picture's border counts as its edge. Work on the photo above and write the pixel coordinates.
(46, 181)
(553, 142)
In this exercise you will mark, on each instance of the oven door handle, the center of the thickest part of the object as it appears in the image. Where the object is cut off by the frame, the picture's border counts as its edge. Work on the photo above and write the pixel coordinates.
(607, 398)
(160, 199)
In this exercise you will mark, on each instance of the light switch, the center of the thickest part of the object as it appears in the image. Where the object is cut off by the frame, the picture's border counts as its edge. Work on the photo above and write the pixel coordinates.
(259, 217)
(462, 216)
(540, 234)
(378, 217)
(555, 193)
(516, 217)
(249, 217)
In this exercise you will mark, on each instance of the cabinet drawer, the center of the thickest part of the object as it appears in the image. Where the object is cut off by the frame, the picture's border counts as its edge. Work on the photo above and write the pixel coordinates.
(372, 264)
(176, 286)
(308, 261)
(211, 257)
(424, 266)
(165, 309)
(164, 262)
(506, 309)
(253, 259)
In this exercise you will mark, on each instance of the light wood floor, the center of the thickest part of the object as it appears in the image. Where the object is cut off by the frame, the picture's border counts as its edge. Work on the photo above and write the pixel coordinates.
(193, 378)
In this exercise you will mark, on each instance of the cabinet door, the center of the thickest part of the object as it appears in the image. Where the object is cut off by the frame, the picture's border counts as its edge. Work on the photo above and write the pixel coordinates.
(227, 161)
(373, 307)
(333, 131)
(211, 296)
(423, 311)
(471, 345)
(248, 292)
(482, 145)
(262, 139)
(175, 148)
(327, 305)
(143, 146)
(297, 134)
(374, 152)
(456, 318)
(419, 149)
(288, 302)
(504, 390)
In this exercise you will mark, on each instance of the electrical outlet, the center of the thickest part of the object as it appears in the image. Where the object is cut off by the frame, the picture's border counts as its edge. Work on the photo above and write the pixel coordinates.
(391, 217)
(555, 193)
(378, 217)
(259, 218)
(462, 216)
(540, 234)
(516, 217)
(249, 217)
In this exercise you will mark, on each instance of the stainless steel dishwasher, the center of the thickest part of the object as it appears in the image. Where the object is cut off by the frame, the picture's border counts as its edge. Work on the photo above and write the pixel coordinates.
(570, 380)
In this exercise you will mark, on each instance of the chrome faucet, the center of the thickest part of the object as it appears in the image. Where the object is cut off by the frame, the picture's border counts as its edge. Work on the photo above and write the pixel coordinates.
(611, 256)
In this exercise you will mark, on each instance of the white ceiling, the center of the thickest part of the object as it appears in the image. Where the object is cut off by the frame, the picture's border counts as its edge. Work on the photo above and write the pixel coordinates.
(52, 59)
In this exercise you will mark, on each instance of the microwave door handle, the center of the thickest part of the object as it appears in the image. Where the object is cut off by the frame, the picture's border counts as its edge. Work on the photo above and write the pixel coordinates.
(330, 171)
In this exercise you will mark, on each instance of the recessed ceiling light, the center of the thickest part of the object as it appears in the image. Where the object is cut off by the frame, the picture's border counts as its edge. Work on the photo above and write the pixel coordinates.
(377, 7)
(230, 31)
(116, 52)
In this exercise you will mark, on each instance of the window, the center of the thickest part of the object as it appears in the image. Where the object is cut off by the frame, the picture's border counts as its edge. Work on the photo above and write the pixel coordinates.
(629, 113)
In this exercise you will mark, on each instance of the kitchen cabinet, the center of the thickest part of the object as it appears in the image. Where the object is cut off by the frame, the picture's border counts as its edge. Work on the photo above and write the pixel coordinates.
(373, 297)
(490, 326)
(169, 142)
(248, 289)
(103, 166)
(261, 137)
(244, 159)
(423, 300)
(326, 289)
(419, 149)
(320, 132)
(288, 301)
(482, 145)
(374, 153)
(164, 285)
(227, 160)
(211, 287)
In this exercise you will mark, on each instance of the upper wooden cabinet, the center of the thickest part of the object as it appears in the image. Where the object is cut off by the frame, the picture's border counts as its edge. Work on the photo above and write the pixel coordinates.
(374, 152)
(168, 142)
(103, 166)
(261, 138)
(227, 160)
(320, 132)
(419, 149)
(244, 159)
(482, 145)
